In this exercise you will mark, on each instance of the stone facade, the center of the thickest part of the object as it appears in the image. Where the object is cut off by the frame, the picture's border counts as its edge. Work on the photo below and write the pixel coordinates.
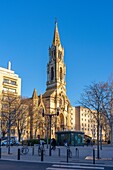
(55, 96)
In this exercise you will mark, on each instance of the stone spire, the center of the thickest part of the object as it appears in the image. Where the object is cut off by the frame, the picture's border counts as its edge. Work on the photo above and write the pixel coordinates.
(34, 96)
(56, 38)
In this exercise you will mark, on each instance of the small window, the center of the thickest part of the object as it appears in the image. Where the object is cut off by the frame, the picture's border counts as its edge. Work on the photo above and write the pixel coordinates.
(52, 73)
(6, 80)
(60, 73)
(12, 90)
(13, 82)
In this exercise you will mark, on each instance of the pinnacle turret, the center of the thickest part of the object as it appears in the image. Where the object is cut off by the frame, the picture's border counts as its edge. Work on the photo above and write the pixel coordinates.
(35, 96)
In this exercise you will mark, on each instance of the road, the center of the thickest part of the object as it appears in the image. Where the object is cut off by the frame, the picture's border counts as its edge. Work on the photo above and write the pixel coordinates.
(19, 165)
(14, 165)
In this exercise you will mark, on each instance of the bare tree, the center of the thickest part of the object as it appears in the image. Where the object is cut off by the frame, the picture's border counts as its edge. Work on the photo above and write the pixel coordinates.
(96, 97)
(13, 113)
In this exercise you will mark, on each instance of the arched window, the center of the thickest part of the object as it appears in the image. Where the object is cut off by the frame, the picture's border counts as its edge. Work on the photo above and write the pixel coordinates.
(60, 73)
(52, 73)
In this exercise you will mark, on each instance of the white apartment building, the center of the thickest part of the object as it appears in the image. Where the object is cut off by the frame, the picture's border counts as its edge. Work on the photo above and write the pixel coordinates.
(9, 81)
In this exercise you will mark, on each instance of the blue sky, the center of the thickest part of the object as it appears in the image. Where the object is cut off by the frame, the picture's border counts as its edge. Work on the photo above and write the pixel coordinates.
(86, 33)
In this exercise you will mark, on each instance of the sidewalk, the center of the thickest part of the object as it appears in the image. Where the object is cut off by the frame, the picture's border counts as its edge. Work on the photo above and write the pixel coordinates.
(79, 155)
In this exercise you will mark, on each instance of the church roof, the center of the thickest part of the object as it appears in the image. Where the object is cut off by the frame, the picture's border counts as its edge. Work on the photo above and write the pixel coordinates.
(48, 93)
(56, 38)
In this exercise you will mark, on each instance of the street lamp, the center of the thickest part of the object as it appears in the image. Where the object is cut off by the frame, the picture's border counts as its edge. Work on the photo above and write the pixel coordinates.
(0, 133)
(50, 119)
(0, 129)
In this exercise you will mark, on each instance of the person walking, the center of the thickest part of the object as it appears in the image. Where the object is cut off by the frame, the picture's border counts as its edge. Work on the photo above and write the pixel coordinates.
(53, 144)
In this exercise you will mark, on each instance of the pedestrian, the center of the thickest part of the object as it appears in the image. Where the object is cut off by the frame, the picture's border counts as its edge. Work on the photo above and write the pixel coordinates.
(65, 143)
(53, 144)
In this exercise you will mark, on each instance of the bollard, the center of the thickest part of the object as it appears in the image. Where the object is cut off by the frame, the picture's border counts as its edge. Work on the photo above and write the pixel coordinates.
(0, 152)
(76, 153)
(58, 151)
(33, 150)
(93, 156)
(42, 155)
(0, 148)
(18, 157)
(67, 154)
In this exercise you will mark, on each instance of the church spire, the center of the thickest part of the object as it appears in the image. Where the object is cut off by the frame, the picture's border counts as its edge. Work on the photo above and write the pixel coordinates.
(34, 95)
(56, 38)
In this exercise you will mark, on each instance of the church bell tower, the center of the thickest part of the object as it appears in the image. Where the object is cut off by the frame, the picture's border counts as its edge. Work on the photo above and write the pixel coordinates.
(55, 95)
(56, 69)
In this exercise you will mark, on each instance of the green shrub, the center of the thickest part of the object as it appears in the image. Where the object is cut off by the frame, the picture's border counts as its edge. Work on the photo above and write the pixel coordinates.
(31, 142)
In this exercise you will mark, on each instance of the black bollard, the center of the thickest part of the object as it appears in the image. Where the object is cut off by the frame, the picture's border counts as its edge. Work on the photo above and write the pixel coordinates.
(67, 154)
(33, 150)
(93, 156)
(58, 151)
(18, 157)
(0, 148)
(0, 152)
(42, 155)
(76, 152)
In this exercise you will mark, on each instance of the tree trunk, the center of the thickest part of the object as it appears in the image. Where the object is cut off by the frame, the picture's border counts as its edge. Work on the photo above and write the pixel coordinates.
(101, 137)
(98, 153)
(19, 136)
(9, 127)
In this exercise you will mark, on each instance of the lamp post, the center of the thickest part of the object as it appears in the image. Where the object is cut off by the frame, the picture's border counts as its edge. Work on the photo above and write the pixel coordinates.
(50, 120)
(0, 133)
(0, 130)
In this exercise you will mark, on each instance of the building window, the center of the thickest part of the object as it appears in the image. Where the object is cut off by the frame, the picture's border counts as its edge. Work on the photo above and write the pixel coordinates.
(12, 90)
(5, 89)
(52, 73)
(13, 82)
(60, 73)
(6, 80)
(13, 131)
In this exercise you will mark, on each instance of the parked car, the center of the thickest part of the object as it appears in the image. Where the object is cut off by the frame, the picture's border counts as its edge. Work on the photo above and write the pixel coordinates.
(12, 143)
(5, 143)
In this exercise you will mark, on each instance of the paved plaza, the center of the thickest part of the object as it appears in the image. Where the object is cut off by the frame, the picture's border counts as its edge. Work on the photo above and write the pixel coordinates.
(79, 155)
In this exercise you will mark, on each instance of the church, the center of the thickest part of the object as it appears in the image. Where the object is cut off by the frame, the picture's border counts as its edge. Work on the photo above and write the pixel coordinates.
(54, 98)
(45, 106)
